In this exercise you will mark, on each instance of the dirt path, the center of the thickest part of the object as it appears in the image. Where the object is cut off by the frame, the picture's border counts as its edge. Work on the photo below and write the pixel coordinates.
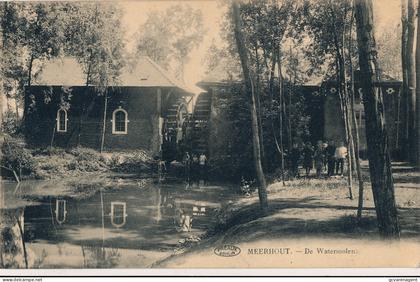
(312, 214)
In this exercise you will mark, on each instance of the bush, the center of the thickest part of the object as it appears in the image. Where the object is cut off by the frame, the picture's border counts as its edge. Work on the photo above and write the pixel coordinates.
(84, 154)
(10, 124)
(49, 151)
(87, 160)
(17, 157)
(231, 168)
(72, 165)
(132, 162)
(90, 166)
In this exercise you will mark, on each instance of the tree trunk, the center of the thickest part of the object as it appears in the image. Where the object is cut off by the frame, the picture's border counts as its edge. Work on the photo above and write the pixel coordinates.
(417, 110)
(289, 115)
(350, 144)
(83, 110)
(411, 77)
(347, 107)
(240, 42)
(25, 254)
(281, 112)
(404, 91)
(104, 120)
(343, 94)
(53, 135)
(271, 89)
(258, 100)
(292, 85)
(357, 157)
(2, 44)
(377, 140)
(28, 86)
(272, 70)
(17, 109)
(354, 123)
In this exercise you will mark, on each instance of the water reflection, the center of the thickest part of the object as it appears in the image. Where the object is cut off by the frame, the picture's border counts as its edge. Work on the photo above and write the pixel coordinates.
(13, 252)
(153, 218)
(118, 214)
(99, 257)
(199, 211)
(60, 211)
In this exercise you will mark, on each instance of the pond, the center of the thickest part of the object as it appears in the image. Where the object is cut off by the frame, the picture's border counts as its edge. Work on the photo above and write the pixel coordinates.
(129, 225)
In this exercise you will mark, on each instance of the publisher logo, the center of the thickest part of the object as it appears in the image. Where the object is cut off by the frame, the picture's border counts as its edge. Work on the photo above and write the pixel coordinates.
(227, 251)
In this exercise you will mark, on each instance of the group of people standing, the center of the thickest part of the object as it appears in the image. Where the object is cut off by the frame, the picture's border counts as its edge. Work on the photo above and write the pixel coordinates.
(195, 166)
(325, 156)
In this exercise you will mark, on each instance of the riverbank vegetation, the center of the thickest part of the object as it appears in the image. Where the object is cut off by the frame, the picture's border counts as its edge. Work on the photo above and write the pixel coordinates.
(58, 163)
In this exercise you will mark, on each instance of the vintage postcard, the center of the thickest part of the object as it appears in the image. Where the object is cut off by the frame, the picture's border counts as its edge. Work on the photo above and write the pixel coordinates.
(224, 134)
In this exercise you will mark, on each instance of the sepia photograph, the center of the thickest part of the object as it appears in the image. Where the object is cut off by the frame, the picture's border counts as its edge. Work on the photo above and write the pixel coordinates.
(209, 134)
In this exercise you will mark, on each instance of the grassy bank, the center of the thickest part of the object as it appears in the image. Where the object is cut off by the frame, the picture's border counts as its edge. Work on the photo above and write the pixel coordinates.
(59, 163)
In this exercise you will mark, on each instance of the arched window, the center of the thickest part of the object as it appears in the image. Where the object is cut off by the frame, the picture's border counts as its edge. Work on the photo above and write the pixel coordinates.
(119, 121)
(118, 213)
(61, 120)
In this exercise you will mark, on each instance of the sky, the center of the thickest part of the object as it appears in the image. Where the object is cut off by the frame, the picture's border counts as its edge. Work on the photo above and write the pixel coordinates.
(387, 13)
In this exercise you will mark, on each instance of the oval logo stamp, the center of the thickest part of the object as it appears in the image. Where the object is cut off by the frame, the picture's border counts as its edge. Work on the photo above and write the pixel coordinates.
(227, 251)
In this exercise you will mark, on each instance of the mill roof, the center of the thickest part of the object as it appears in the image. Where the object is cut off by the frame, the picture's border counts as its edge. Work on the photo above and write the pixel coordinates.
(140, 72)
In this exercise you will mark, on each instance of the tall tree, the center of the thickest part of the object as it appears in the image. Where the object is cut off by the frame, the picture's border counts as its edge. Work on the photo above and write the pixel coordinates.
(2, 11)
(378, 154)
(41, 35)
(14, 66)
(265, 23)
(404, 69)
(353, 120)
(249, 85)
(417, 120)
(95, 38)
(169, 36)
(329, 48)
(411, 78)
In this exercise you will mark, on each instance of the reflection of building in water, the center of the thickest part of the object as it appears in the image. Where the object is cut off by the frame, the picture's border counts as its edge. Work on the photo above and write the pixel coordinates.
(118, 213)
(145, 216)
(186, 224)
(60, 211)
(159, 201)
(199, 211)
(2, 195)
(189, 213)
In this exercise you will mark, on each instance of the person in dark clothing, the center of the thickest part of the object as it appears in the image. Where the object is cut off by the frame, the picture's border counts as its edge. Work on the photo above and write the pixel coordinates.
(187, 165)
(308, 158)
(319, 158)
(324, 153)
(294, 159)
(194, 167)
(330, 152)
(202, 162)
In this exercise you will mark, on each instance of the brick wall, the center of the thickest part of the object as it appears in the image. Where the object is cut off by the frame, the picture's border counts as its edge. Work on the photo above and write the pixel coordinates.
(141, 105)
